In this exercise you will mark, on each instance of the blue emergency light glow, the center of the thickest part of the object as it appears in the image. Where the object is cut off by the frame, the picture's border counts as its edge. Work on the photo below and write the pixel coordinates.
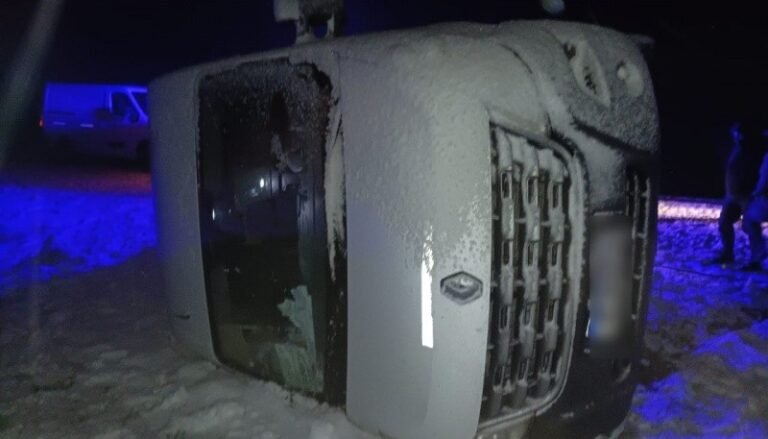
(46, 233)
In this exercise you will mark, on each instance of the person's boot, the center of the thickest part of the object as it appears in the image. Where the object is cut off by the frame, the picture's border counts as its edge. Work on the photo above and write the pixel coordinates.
(722, 258)
(756, 261)
(752, 266)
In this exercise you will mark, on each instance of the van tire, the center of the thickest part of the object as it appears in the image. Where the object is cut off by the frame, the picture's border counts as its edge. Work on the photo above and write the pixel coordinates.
(64, 143)
(142, 154)
(61, 148)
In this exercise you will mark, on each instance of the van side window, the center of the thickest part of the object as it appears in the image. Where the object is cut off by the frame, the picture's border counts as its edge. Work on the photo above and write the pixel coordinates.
(122, 106)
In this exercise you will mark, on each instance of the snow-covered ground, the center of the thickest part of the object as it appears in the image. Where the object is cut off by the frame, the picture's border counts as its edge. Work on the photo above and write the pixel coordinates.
(706, 342)
(86, 350)
(98, 359)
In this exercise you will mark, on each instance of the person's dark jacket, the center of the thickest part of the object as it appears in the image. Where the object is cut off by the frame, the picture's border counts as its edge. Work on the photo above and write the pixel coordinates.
(742, 172)
(757, 142)
(761, 188)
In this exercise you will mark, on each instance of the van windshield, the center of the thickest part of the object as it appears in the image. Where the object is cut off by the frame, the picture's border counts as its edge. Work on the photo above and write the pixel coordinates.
(141, 99)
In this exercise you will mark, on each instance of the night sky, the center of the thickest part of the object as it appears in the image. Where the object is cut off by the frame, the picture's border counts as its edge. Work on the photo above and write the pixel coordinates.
(709, 62)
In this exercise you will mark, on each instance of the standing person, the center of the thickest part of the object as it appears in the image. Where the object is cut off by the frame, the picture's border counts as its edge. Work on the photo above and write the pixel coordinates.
(741, 176)
(757, 210)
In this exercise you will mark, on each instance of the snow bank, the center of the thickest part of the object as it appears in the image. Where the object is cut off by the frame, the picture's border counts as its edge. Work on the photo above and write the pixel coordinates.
(48, 232)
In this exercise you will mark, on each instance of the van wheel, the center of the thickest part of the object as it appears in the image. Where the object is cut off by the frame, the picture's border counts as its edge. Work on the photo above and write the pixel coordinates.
(142, 154)
(61, 148)
(64, 143)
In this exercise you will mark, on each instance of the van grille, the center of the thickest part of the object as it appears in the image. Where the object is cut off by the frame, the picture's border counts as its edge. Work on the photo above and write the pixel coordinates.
(531, 237)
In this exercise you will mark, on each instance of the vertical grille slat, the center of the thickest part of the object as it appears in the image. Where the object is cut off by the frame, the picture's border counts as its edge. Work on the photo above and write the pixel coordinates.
(638, 193)
(555, 275)
(530, 260)
(504, 226)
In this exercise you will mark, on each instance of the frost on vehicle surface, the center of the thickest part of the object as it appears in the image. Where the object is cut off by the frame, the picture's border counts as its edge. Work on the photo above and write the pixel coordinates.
(419, 225)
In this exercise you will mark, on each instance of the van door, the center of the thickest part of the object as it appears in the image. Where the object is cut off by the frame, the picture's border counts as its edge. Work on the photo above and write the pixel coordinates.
(117, 127)
(123, 137)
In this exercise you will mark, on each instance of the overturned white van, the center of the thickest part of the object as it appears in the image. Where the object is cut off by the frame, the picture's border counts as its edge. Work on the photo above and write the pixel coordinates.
(448, 231)
(100, 119)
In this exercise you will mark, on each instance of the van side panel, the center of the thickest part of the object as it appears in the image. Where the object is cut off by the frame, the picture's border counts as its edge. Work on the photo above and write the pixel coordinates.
(174, 174)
